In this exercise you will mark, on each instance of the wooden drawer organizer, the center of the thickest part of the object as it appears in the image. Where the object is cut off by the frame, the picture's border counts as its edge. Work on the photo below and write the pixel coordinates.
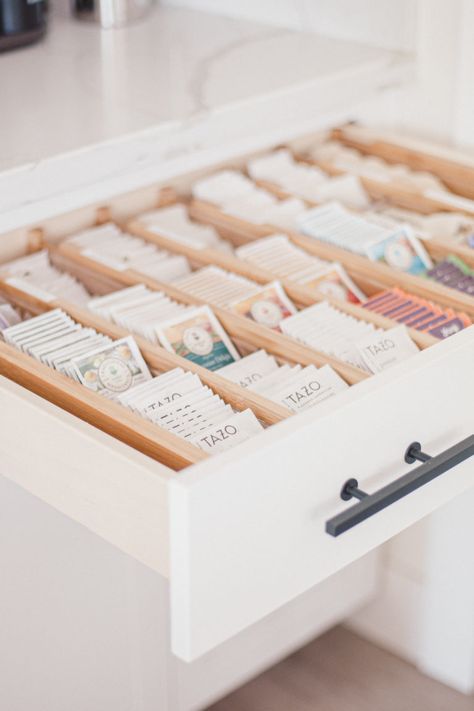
(249, 336)
(241, 533)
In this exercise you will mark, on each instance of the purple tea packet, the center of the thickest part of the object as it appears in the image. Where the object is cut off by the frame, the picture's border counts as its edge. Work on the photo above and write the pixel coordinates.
(444, 330)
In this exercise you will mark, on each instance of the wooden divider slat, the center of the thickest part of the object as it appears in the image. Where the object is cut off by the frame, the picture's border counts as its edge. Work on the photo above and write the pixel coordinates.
(360, 268)
(302, 295)
(456, 174)
(106, 415)
(237, 326)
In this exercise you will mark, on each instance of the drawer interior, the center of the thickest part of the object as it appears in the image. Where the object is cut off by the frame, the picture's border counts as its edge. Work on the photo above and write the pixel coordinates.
(245, 529)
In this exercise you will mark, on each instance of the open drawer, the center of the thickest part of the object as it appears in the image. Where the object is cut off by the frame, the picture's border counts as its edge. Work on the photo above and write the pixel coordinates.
(243, 533)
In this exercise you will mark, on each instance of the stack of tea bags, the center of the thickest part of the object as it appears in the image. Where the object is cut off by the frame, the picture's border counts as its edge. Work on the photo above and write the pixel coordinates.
(295, 387)
(279, 255)
(109, 245)
(35, 275)
(180, 403)
(308, 181)
(174, 223)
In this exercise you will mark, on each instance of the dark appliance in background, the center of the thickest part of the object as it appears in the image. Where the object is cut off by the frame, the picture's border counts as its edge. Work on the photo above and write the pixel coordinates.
(21, 22)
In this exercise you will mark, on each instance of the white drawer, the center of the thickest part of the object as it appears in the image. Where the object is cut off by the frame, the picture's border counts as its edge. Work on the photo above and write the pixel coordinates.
(243, 533)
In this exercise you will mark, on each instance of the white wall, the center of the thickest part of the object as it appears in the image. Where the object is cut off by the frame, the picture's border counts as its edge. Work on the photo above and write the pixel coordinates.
(385, 23)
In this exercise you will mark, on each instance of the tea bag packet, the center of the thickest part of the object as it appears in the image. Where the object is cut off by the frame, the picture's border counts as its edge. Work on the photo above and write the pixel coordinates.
(159, 392)
(238, 196)
(54, 339)
(49, 326)
(109, 245)
(222, 187)
(276, 378)
(228, 433)
(334, 224)
(112, 369)
(198, 336)
(253, 206)
(382, 350)
(235, 195)
(103, 305)
(280, 168)
(328, 330)
(216, 286)
(138, 309)
(283, 214)
(307, 181)
(61, 358)
(346, 189)
(305, 388)
(397, 246)
(174, 223)
(35, 275)
(250, 369)
(9, 316)
(269, 306)
(178, 402)
(279, 255)
(349, 159)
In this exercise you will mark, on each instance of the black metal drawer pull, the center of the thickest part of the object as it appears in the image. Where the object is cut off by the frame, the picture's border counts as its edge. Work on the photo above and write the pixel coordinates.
(370, 504)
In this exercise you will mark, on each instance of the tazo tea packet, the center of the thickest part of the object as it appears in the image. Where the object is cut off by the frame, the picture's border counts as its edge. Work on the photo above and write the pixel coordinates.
(238, 428)
(381, 350)
(199, 337)
(113, 369)
(155, 394)
(269, 306)
(307, 388)
(8, 316)
(250, 369)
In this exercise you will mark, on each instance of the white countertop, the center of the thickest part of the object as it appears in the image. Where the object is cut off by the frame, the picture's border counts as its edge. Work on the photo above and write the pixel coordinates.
(87, 113)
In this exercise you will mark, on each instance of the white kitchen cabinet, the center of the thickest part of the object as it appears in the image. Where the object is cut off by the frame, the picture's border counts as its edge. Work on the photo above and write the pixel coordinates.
(131, 586)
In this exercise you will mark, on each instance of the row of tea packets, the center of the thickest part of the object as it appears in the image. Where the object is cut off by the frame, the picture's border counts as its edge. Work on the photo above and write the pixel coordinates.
(176, 401)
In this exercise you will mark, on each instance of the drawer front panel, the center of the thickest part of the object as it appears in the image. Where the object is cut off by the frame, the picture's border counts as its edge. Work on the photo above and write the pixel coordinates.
(248, 530)
(110, 488)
